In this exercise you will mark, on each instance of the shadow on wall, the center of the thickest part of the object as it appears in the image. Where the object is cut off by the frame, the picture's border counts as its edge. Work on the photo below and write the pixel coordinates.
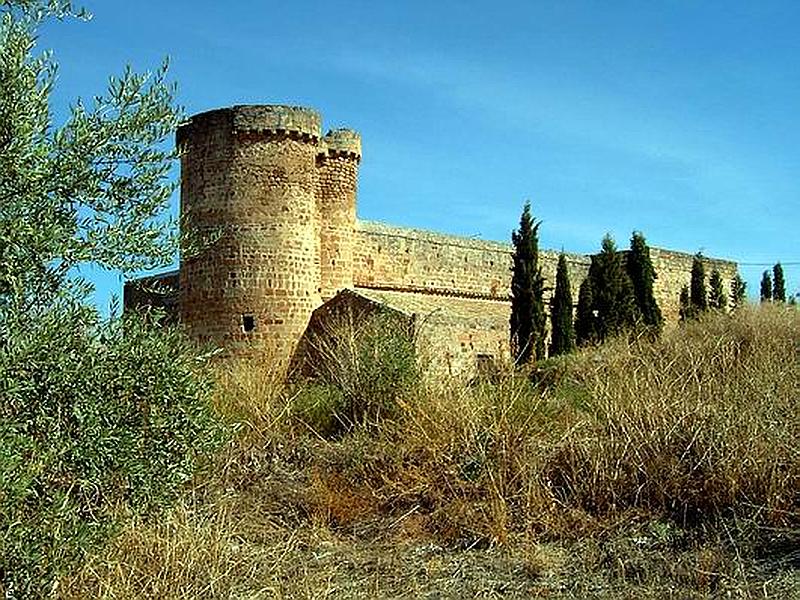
(352, 342)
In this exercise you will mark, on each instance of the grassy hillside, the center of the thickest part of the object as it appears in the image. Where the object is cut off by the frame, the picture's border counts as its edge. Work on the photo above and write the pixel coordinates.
(637, 469)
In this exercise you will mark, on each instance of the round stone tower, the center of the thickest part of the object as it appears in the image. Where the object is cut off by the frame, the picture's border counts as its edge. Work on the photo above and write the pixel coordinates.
(337, 166)
(248, 203)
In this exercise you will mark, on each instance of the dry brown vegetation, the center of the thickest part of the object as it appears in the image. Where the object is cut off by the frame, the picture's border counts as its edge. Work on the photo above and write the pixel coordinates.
(637, 469)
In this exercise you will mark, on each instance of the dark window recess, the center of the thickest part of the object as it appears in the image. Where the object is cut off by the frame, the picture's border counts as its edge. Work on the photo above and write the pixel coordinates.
(485, 365)
(248, 323)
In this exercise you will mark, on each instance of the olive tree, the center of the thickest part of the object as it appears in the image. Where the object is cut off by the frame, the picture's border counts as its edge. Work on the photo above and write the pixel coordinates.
(98, 418)
(93, 189)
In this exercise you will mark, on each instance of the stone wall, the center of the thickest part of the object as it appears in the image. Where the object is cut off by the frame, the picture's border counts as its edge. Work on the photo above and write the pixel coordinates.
(452, 331)
(674, 270)
(399, 258)
(272, 204)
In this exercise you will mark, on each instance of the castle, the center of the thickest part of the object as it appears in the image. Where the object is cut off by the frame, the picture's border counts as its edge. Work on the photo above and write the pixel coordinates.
(275, 202)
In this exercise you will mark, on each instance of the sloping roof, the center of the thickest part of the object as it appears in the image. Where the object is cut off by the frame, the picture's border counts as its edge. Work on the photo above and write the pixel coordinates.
(471, 313)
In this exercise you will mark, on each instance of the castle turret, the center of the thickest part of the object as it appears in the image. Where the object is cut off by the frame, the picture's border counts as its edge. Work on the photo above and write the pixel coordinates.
(248, 194)
(337, 165)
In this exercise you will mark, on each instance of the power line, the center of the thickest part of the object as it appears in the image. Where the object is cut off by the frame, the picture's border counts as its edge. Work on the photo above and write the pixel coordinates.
(794, 263)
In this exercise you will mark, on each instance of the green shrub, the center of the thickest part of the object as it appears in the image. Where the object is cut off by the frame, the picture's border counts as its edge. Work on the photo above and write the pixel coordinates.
(362, 363)
(319, 406)
(98, 420)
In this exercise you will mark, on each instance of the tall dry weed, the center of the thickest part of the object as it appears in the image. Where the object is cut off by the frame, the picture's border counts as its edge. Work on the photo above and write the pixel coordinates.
(697, 426)
(358, 362)
(701, 423)
(695, 432)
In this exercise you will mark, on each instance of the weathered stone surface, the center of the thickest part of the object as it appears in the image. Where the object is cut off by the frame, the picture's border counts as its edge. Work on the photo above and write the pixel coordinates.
(451, 331)
(674, 270)
(280, 201)
(388, 257)
(249, 178)
(337, 169)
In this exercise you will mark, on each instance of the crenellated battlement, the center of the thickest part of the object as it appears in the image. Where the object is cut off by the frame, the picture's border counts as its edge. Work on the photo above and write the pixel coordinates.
(279, 198)
(341, 142)
(275, 119)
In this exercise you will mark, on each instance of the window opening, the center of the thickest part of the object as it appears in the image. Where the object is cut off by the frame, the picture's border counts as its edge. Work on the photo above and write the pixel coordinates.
(485, 365)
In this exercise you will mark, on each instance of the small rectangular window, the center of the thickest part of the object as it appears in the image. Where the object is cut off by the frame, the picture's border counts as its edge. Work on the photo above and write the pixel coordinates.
(248, 323)
(485, 365)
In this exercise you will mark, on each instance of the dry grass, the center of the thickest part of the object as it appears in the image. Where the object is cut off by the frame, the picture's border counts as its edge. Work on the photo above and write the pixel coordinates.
(638, 469)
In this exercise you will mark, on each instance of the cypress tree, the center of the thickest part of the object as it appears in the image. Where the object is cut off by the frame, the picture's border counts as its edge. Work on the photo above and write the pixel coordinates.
(642, 274)
(563, 332)
(778, 284)
(527, 288)
(612, 292)
(698, 298)
(738, 291)
(585, 327)
(766, 287)
(716, 295)
(686, 310)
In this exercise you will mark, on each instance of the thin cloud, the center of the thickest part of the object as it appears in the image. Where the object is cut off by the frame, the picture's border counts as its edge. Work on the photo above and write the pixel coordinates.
(704, 157)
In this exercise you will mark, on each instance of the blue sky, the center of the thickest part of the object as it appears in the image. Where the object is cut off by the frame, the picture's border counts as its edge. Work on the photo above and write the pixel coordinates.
(678, 119)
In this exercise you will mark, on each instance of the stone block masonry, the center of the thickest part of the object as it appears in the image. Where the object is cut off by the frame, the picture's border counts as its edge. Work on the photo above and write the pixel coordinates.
(278, 199)
(674, 270)
(265, 183)
(388, 257)
(337, 179)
